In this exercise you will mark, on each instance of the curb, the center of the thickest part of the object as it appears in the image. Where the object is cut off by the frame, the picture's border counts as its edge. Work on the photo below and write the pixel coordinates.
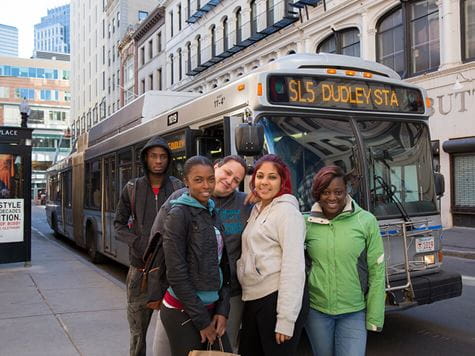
(459, 253)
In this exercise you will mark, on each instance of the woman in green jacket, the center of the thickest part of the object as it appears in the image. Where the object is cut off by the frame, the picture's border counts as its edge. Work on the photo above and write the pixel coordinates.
(347, 277)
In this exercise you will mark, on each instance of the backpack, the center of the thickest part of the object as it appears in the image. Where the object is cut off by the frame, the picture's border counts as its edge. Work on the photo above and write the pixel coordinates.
(154, 279)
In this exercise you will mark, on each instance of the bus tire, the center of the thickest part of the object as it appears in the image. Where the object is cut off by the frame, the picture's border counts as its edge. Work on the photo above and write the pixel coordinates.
(91, 245)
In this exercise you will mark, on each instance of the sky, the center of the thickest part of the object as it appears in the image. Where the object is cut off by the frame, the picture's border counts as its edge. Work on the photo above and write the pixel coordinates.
(24, 14)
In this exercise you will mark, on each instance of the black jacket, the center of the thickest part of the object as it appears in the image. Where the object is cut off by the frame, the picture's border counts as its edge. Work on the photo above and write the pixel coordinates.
(232, 212)
(146, 207)
(190, 247)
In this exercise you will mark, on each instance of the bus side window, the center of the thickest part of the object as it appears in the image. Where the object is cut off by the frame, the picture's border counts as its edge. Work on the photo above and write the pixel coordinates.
(92, 197)
(125, 167)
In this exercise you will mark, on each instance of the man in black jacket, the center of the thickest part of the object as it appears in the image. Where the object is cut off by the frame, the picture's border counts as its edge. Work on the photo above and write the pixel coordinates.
(139, 202)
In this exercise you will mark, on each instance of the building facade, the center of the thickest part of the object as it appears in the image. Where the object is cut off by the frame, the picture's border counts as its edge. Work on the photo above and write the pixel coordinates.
(52, 34)
(95, 63)
(45, 85)
(207, 43)
(8, 41)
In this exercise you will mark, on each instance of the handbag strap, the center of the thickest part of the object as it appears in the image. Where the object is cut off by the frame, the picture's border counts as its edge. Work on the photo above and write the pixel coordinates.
(221, 348)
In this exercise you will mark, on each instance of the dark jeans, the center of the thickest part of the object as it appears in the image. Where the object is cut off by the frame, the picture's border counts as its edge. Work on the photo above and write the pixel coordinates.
(138, 314)
(182, 333)
(24, 119)
(258, 328)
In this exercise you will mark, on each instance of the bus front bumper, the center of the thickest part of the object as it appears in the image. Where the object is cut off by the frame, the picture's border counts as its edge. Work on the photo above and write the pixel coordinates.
(437, 286)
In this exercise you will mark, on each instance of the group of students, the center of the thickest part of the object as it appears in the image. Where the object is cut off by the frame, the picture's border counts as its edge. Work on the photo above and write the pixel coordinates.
(249, 277)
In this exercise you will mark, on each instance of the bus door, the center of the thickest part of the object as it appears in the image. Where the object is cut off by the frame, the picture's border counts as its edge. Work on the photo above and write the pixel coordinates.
(230, 124)
(109, 201)
(67, 204)
(125, 173)
(211, 142)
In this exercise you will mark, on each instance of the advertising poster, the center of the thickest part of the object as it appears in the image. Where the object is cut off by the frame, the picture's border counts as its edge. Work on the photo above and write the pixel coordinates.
(11, 220)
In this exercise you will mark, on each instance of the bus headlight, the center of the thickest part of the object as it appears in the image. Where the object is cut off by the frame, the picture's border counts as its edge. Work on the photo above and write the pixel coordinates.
(429, 259)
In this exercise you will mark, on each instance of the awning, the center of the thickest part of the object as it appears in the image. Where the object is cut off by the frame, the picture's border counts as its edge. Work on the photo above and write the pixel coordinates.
(460, 145)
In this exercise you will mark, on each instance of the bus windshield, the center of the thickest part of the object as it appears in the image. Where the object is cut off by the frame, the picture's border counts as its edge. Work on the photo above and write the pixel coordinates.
(308, 144)
(398, 156)
(400, 167)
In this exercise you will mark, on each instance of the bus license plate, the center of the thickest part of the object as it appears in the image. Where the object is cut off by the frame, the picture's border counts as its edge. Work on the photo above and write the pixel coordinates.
(424, 244)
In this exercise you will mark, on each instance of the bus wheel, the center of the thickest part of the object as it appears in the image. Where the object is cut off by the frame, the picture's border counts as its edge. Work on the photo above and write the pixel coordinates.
(91, 244)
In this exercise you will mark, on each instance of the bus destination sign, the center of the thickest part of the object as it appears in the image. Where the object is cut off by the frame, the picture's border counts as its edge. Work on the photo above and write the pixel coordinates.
(344, 94)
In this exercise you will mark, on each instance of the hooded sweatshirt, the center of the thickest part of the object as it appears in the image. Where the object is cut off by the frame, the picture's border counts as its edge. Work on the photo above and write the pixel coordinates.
(273, 259)
(147, 205)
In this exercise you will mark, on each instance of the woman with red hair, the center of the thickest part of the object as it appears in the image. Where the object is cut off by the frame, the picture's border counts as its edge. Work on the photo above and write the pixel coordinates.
(271, 269)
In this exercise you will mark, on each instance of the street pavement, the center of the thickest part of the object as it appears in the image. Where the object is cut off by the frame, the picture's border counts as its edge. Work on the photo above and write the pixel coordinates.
(61, 305)
(64, 305)
(459, 242)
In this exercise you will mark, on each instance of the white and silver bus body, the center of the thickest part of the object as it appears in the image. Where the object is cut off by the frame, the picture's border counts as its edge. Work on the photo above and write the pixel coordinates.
(203, 125)
(388, 153)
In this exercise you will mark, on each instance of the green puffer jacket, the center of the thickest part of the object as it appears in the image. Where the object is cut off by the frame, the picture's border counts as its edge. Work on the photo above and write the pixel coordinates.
(347, 273)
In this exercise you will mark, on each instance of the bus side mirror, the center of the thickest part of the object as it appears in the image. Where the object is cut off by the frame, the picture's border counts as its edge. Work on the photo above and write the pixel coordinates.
(439, 182)
(249, 139)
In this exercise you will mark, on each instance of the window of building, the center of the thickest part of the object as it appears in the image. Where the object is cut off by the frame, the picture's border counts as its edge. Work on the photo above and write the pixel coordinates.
(67, 96)
(4, 92)
(113, 82)
(142, 55)
(21, 93)
(468, 28)
(109, 58)
(113, 25)
(408, 38)
(270, 12)
(198, 50)
(150, 49)
(109, 31)
(129, 71)
(118, 19)
(213, 40)
(188, 56)
(238, 26)
(225, 34)
(113, 53)
(171, 69)
(188, 9)
(150, 80)
(142, 86)
(170, 14)
(109, 85)
(159, 78)
(253, 17)
(159, 42)
(180, 60)
(179, 17)
(345, 42)
(37, 117)
(143, 15)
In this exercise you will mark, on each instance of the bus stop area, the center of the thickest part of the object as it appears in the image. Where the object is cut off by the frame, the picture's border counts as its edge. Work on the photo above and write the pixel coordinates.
(61, 305)
(65, 305)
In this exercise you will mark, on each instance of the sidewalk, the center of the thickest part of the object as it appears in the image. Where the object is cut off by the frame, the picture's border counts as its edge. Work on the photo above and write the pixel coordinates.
(459, 242)
(62, 305)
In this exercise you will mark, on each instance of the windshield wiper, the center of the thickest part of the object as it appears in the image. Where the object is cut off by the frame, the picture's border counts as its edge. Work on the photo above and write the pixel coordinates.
(393, 197)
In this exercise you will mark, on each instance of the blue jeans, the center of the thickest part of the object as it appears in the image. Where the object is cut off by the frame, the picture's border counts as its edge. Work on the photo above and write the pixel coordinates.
(337, 335)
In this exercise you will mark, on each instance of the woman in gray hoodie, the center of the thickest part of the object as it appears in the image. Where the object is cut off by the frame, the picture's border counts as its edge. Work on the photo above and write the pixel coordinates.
(271, 269)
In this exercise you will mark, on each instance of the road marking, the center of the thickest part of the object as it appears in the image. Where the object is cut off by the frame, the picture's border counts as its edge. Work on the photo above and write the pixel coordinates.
(468, 281)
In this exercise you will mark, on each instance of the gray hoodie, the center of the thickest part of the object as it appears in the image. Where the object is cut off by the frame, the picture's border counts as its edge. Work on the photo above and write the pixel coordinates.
(273, 259)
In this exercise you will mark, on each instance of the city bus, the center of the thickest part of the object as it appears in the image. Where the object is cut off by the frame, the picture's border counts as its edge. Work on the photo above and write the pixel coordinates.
(310, 109)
